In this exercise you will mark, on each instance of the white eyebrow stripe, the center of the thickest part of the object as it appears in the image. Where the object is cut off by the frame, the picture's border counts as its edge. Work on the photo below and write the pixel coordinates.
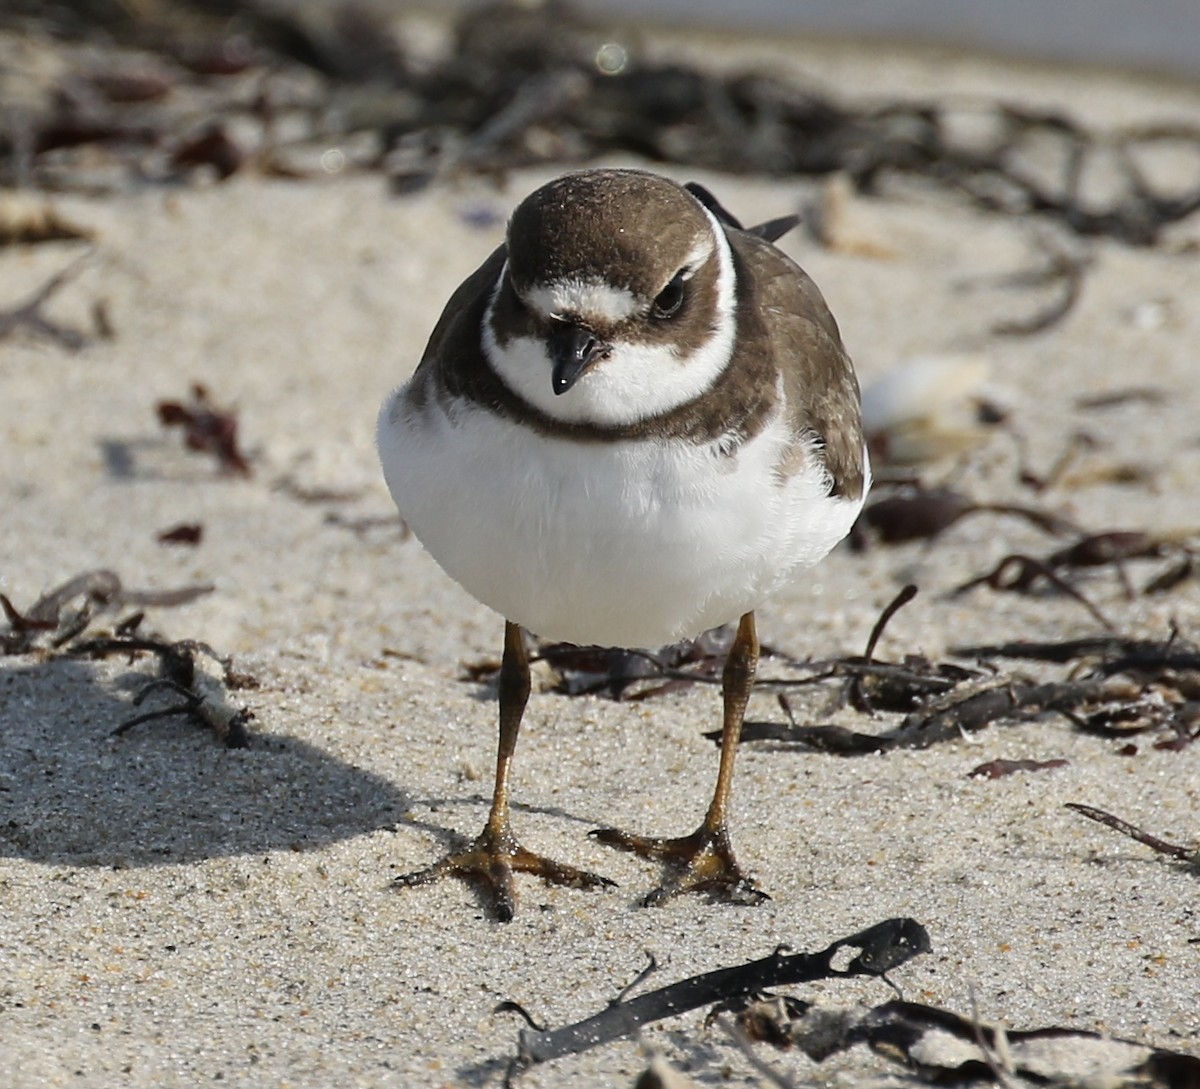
(583, 297)
(699, 255)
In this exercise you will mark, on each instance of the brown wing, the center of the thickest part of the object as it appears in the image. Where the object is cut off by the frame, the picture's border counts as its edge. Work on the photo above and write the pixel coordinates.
(819, 384)
(453, 356)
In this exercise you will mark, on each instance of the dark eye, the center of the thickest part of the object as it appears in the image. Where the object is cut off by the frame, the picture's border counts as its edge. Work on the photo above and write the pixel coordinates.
(670, 298)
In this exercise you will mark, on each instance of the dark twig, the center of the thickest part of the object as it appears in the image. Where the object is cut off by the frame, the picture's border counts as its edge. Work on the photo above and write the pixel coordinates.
(1066, 272)
(1173, 850)
(1018, 573)
(894, 606)
(1119, 653)
(205, 699)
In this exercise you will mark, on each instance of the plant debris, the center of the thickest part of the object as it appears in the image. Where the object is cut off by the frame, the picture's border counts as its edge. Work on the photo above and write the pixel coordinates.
(627, 674)
(203, 699)
(25, 222)
(186, 533)
(999, 769)
(940, 1047)
(1018, 573)
(1063, 272)
(881, 948)
(62, 615)
(61, 622)
(1190, 855)
(1115, 398)
(524, 85)
(918, 513)
(207, 429)
(1132, 687)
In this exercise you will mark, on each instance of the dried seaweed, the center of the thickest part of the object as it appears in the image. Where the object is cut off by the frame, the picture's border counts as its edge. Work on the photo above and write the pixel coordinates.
(207, 429)
(1063, 272)
(937, 1045)
(881, 948)
(1180, 853)
(919, 513)
(62, 622)
(940, 1047)
(1017, 573)
(62, 614)
(186, 533)
(999, 769)
(534, 84)
(203, 700)
(1131, 686)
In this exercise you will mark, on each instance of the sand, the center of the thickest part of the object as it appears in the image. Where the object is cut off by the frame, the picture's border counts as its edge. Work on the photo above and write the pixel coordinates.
(172, 912)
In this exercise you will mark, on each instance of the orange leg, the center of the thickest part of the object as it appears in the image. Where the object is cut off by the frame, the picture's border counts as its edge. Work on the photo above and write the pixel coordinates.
(704, 860)
(496, 854)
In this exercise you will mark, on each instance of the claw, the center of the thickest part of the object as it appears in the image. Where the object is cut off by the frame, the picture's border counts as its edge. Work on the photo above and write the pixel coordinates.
(704, 861)
(491, 862)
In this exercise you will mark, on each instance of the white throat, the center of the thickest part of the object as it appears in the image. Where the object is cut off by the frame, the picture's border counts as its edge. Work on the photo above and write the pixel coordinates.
(635, 381)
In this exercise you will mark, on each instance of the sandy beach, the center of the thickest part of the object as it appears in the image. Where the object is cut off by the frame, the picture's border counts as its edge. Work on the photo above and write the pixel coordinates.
(174, 912)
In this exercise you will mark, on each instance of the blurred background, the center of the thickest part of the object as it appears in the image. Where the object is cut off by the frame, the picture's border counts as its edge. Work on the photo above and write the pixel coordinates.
(1153, 35)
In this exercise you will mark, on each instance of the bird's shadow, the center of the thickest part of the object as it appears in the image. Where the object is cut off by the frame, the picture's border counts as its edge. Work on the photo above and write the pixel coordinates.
(167, 792)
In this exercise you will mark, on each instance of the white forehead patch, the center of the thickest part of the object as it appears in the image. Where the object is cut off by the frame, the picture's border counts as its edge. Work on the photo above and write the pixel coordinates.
(590, 298)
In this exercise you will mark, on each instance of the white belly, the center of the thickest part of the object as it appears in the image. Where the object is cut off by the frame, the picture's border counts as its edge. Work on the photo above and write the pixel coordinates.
(628, 543)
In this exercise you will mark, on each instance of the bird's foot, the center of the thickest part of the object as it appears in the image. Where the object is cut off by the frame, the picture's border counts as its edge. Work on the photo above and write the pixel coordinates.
(703, 862)
(491, 862)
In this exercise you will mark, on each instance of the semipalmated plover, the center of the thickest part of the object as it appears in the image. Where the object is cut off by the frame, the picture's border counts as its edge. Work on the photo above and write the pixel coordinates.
(634, 422)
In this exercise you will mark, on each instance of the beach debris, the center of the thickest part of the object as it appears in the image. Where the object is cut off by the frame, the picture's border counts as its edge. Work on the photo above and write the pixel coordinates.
(836, 220)
(186, 533)
(1017, 573)
(203, 698)
(214, 149)
(63, 614)
(26, 221)
(877, 950)
(1076, 443)
(660, 1074)
(1131, 687)
(1082, 463)
(1124, 395)
(207, 429)
(1000, 769)
(1061, 270)
(27, 316)
(531, 84)
(625, 674)
(62, 622)
(915, 513)
(1120, 687)
(928, 408)
(1190, 855)
(360, 526)
(940, 1047)
(937, 1045)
